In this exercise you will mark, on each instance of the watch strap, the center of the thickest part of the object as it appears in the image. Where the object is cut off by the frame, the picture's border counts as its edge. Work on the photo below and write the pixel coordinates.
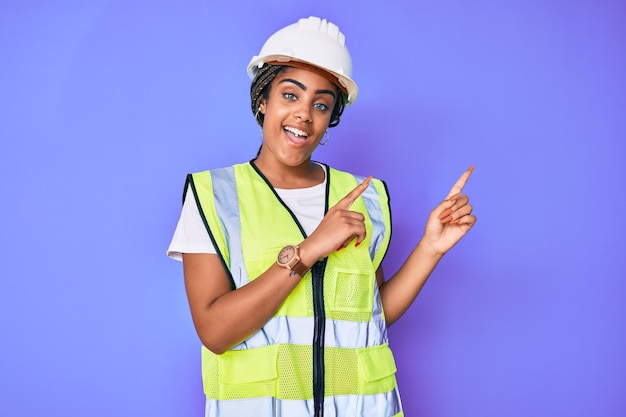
(300, 268)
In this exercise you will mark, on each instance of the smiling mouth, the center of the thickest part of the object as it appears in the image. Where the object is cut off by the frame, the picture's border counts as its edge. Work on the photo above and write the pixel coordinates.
(296, 133)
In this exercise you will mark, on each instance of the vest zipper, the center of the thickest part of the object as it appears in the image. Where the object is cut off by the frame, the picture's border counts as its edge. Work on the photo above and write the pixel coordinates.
(319, 326)
(318, 337)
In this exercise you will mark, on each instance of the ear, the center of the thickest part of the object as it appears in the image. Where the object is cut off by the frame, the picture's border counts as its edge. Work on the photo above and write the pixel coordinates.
(262, 105)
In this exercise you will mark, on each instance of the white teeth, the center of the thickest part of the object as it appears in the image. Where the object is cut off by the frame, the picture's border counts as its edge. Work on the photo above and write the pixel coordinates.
(295, 131)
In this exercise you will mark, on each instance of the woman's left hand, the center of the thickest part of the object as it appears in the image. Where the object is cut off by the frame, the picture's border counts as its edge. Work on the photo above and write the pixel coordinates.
(451, 219)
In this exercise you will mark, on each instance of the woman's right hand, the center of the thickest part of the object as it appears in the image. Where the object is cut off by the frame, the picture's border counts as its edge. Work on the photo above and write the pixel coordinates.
(339, 227)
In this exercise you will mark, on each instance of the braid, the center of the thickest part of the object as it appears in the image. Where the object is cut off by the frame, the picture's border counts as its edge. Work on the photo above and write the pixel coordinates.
(340, 104)
(260, 89)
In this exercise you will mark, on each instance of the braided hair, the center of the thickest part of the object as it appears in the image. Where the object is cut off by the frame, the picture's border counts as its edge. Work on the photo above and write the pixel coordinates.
(262, 83)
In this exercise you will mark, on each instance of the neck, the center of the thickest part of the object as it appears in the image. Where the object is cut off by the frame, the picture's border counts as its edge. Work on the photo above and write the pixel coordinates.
(304, 175)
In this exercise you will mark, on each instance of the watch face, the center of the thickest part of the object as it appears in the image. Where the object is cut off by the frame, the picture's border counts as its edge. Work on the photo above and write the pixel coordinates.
(286, 255)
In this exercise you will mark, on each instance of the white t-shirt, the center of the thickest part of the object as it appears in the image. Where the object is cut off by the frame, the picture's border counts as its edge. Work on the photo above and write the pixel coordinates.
(191, 236)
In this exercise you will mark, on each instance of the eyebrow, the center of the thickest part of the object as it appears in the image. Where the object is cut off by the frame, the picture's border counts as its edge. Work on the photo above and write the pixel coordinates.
(303, 87)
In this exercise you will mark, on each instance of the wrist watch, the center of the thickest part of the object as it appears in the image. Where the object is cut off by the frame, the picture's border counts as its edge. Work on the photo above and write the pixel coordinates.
(289, 258)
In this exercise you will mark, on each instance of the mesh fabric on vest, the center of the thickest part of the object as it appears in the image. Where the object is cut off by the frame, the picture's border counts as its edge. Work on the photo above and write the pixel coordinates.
(345, 367)
(285, 372)
(294, 362)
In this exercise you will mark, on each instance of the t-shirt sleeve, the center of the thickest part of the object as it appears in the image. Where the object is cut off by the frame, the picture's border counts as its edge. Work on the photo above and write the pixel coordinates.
(190, 235)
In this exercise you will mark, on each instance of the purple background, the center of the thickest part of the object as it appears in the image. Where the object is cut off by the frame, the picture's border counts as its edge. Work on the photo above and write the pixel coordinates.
(106, 105)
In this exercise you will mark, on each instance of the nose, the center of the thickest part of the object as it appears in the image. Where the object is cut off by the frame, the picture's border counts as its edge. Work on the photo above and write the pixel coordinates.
(303, 113)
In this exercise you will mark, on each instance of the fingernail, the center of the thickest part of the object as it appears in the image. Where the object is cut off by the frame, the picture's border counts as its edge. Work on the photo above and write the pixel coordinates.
(455, 196)
(455, 221)
(471, 169)
(446, 220)
(445, 213)
(357, 244)
(339, 248)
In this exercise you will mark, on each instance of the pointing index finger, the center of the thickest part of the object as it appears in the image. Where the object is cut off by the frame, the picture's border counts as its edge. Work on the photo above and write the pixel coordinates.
(458, 186)
(351, 197)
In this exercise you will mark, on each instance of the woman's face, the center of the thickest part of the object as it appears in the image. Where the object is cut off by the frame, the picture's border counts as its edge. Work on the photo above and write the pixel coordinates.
(296, 115)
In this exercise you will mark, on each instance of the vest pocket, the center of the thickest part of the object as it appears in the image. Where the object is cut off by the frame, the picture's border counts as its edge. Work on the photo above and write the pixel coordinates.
(352, 293)
(378, 368)
(248, 373)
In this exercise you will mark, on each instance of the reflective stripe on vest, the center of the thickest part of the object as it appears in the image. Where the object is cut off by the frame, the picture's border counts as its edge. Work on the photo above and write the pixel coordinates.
(379, 405)
(372, 202)
(276, 361)
(298, 330)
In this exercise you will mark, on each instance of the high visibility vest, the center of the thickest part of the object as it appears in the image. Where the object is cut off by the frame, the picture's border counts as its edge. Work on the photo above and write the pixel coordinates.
(325, 351)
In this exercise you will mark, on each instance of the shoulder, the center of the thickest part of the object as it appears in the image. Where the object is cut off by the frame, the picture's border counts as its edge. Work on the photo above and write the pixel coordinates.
(215, 170)
(342, 182)
(218, 172)
(341, 175)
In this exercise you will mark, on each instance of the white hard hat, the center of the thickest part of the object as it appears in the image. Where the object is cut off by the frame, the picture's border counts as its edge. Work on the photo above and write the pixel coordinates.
(312, 41)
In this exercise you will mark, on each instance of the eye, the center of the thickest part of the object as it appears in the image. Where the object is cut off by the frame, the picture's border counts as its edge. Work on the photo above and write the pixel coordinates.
(321, 106)
(290, 96)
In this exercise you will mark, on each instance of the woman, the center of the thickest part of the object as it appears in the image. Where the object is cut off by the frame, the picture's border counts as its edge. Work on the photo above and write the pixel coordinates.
(282, 255)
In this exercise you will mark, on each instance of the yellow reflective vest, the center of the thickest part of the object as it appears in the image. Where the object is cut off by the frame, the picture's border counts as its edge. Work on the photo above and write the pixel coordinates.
(325, 351)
